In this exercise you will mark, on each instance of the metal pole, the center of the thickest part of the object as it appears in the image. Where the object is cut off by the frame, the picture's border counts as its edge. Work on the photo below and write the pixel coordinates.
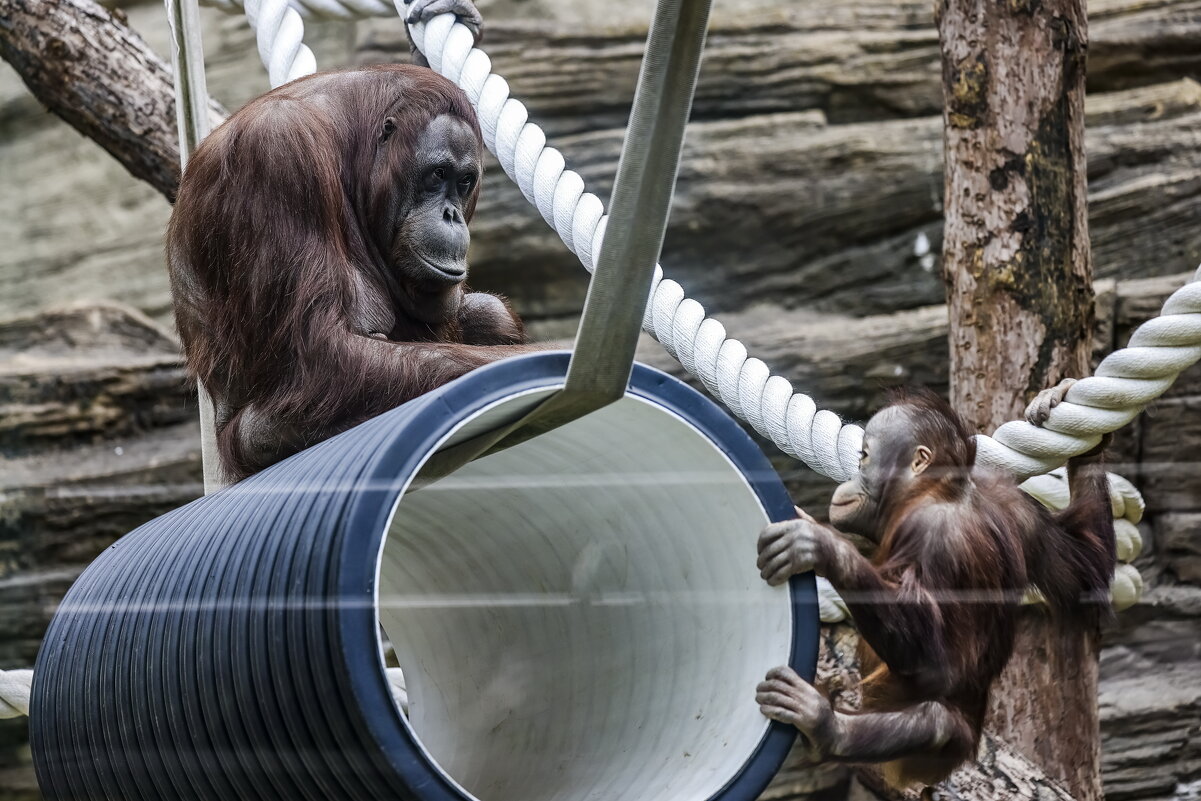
(192, 120)
(646, 176)
(603, 357)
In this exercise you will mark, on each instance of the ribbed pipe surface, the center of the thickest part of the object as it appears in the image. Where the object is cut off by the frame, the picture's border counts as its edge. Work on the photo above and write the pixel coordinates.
(231, 648)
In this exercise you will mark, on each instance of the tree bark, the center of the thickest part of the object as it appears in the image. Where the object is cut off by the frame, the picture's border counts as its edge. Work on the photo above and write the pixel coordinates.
(1016, 257)
(90, 68)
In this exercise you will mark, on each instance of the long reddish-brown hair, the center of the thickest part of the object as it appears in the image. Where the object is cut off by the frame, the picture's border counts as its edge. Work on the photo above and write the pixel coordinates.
(278, 230)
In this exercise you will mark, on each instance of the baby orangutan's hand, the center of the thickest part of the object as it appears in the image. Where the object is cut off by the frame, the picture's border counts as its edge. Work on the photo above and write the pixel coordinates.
(792, 547)
(786, 697)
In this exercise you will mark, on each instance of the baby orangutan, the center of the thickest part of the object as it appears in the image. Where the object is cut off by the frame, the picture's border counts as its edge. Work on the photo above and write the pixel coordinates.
(936, 608)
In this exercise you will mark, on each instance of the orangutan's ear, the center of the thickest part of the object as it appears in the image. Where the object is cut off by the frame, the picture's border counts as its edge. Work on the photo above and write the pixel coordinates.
(922, 457)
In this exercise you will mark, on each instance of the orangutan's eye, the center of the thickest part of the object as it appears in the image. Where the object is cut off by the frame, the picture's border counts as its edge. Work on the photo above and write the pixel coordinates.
(440, 173)
(465, 184)
(388, 129)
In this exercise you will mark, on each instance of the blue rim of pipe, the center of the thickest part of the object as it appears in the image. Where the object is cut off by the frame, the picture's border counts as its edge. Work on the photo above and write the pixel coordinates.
(534, 372)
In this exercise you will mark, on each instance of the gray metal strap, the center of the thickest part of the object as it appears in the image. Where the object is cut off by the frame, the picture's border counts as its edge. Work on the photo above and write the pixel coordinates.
(642, 192)
(603, 356)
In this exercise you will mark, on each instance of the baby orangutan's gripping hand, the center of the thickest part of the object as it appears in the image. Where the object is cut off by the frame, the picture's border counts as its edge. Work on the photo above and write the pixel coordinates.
(792, 547)
(786, 697)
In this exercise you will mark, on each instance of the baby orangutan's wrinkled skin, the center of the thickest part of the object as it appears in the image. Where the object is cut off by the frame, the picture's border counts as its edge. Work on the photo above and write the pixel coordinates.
(957, 546)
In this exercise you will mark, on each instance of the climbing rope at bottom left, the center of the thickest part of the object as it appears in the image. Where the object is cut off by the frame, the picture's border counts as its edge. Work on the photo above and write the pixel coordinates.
(15, 688)
(14, 692)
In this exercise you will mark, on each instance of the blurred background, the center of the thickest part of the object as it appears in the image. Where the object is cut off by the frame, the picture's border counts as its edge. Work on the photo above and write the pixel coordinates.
(807, 218)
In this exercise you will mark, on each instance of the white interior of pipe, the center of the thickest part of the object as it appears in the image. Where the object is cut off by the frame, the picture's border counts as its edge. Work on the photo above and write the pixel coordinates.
(579, 617)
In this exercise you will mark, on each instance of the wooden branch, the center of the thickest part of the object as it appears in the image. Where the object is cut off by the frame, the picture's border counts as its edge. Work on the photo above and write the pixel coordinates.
(90, 68)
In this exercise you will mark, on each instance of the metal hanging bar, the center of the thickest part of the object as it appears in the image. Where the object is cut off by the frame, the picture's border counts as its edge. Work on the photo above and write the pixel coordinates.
(603, 357)
(192, 120)
(646, 176)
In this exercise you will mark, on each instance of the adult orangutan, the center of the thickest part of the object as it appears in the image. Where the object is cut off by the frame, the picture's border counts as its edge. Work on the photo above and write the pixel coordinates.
(937, 606)
(318, 254)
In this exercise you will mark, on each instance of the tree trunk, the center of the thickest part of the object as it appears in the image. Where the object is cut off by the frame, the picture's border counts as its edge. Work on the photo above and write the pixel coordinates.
(1016, 256)
(90, 68)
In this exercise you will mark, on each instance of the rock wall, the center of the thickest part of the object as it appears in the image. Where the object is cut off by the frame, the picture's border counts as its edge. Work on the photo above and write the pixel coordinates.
(812, 171)
(811, 175)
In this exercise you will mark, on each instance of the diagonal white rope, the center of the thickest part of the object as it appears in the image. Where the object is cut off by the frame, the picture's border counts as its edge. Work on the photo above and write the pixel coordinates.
(1124, 383)
(745, 385)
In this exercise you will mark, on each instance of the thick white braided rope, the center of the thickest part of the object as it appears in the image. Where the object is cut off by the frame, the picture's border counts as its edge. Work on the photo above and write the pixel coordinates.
(745, 385)
(1124, 382)
(14, 692)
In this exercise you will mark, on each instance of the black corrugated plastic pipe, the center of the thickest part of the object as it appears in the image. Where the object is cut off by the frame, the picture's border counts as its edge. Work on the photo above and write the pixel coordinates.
(231, 650)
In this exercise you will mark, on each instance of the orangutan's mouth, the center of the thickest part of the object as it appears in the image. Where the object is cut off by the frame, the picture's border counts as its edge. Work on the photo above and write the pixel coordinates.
(453, 274)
